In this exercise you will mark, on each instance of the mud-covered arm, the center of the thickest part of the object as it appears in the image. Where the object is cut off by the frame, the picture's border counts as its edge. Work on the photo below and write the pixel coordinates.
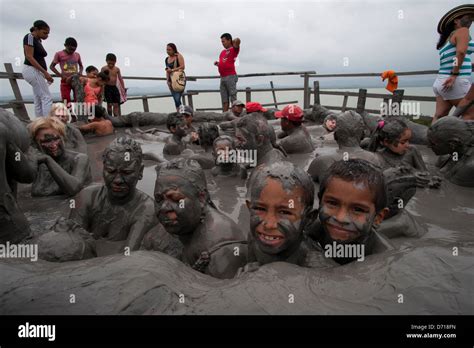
(144, 221)
(417, 160)
(72, 183)
(225, 262)
(80, 211)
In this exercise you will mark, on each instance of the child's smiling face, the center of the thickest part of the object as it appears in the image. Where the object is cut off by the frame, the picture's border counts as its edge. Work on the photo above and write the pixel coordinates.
(400, 147)
(276, 214)
(111, 63)
(347, 209)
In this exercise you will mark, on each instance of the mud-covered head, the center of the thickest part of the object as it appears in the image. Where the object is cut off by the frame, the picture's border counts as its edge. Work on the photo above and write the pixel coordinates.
(60, 111)
(352, 200)
(181, 195)
(280, 198)
(330, 122)
(48, 133)
(252, 133)
(123, 168)
(221, 148)
(176, 124)
(350, 129)
(208, 132)
(392, 133)
(449, 135)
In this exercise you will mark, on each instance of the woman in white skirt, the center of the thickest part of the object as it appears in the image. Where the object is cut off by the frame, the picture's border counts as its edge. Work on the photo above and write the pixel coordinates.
(455, 47)
(35, 71)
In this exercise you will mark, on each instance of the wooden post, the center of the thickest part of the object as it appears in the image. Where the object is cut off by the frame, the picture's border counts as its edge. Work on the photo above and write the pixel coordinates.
(248, 95)
(274, 95)
(317, 99)
(19, 108)
(306, 91)
(146, 108)
(190, 101)
(397, 100)
(361, 100)
(344, 103)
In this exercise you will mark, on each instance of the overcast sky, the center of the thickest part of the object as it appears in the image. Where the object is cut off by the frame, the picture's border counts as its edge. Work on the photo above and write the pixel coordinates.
(325, 36)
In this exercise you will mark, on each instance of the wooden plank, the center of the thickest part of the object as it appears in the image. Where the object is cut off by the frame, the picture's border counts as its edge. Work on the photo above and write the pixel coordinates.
(255, 75)
(190, 101)
(248, 95)
(19, 109)
(306, 91)
(146, 107)
(361, 99)
(344, 103)
(397, 99)
(317, 99)
(403, 73)
(274, 95)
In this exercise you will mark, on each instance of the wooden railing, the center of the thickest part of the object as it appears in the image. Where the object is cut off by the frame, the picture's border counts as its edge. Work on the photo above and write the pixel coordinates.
(18, 104)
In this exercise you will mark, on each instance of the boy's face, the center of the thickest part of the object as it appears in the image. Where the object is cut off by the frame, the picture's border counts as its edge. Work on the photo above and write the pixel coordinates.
(111, 63)
(70, 49)
(400, 147)
(92, 74)
(276, 216)
(179, 208)
(347, 210)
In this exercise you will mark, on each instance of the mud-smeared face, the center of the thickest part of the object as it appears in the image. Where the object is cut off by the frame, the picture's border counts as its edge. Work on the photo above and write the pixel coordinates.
(121, 174)
(401, 146)
(285, 124)
(438, 145)
(275, 217)
(50, 142)
(347, 210)
(188, 119)
(237, 109)
(179, 205)
(245, 140)
(221, 152)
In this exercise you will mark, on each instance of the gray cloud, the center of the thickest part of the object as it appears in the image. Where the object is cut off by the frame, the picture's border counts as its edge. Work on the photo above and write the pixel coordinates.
(276, 36)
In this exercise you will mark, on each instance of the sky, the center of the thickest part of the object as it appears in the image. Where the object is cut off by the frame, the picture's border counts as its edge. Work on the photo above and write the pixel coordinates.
(323, 36)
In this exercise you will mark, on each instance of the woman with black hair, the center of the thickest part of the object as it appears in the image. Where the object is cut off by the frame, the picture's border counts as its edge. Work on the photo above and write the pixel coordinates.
(35, 71)
(174, 62)
(455, 47)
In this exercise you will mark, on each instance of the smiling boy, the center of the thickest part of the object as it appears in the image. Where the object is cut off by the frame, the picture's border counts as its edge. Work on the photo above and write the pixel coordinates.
(353, 202)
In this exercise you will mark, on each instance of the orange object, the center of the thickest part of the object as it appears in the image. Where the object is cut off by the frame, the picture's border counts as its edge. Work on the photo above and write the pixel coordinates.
(392, 80)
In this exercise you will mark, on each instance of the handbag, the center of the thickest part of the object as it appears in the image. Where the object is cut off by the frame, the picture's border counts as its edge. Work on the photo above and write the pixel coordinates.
(178, 79)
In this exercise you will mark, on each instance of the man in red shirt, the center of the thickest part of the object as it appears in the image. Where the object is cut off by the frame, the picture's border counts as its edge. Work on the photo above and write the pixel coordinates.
(226, 65)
